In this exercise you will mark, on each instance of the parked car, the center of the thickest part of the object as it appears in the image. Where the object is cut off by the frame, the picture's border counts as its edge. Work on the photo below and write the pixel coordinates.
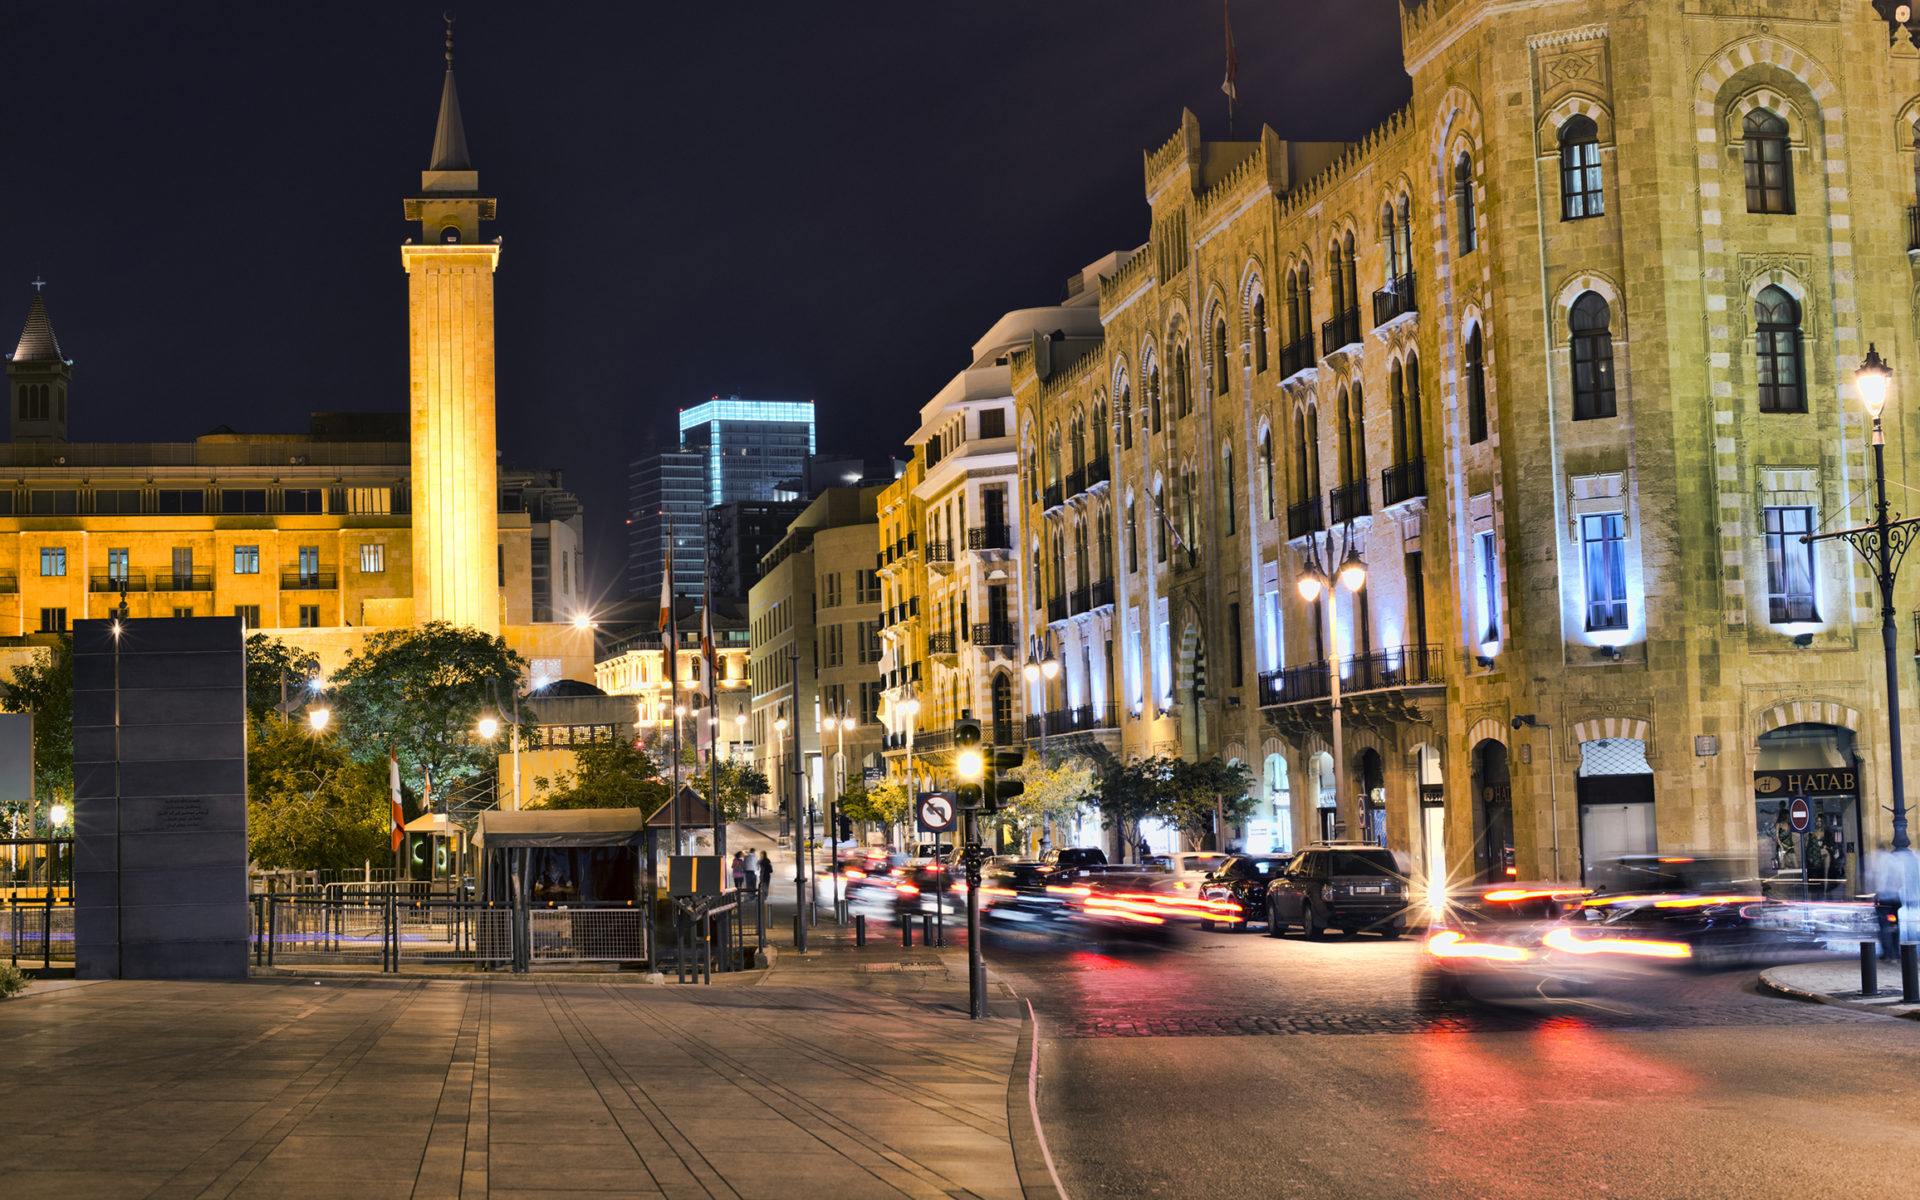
(1235, 892)
(1350, 886)
(1074, 857)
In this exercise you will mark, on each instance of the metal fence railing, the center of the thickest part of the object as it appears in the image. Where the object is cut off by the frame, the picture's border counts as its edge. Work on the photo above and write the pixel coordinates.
(36, 932)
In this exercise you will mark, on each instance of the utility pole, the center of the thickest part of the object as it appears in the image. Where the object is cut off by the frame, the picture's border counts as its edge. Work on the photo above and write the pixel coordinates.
(800, 883)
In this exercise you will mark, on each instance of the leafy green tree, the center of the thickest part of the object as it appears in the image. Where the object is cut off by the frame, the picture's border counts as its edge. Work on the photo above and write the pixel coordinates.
(1052, 794)
(421, 692)
(886, 805)
(1132, 792)
(614, 774)
(739, 784)
(309, 805)
(270, 664)
(1198, 792)
(44, 687)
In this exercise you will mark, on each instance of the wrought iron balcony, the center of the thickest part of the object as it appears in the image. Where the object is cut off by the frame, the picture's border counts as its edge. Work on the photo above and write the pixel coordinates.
(1056, 608)
(1098, 471)
(994, 633)
(1003, 733)
(1055, 496)
(1342, 330)
(1403, 481)
(939, 556)
(1079, 600)
(1296, 356)
(1407, 666)
(1076, 481)
(1304, 518)
(309, 581)
(1350, 501)
(940, 643)
(990, 537)
(1394, 299)
(107, 581)
(195, 581)
(1102, 593)
(1062, 721)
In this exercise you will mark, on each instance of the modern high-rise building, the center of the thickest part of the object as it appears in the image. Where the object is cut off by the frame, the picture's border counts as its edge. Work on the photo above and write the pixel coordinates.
(730, 449)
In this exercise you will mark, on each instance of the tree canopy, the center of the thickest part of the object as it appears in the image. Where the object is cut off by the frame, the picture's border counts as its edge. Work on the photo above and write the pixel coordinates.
(740, 782)
(270, 663)
(421, 691)
(614, 774)
(44, 687)
(310, 806)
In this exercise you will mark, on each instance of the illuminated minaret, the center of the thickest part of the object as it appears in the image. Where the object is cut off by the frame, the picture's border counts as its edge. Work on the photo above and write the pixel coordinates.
(450, 351)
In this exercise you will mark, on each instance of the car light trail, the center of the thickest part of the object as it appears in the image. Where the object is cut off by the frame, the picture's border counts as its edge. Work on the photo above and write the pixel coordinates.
(1451, 944)
(1572, 943)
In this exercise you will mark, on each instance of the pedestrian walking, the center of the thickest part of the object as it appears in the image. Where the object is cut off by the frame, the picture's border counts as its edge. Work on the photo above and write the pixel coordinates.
(766, 873)
(739, 870)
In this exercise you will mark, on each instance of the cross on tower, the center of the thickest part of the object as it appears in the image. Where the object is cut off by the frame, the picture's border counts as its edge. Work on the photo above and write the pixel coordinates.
(38, 283)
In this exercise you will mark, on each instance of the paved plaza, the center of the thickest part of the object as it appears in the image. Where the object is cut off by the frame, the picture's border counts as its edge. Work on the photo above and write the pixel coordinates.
(852, 1073)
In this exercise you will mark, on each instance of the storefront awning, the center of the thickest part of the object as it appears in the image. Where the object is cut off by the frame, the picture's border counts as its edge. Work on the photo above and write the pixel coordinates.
(561, 827)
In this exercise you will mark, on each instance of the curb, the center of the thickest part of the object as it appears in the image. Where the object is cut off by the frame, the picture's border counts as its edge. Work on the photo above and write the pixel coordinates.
(1032, 1160)
(1788, 992)
(617, 978)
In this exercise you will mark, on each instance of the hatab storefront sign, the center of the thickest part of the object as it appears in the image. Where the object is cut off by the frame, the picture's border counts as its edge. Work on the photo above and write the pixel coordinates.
(1822, 781)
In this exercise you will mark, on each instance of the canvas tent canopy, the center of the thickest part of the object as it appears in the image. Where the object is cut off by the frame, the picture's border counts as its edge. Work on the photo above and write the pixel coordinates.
(562, 856)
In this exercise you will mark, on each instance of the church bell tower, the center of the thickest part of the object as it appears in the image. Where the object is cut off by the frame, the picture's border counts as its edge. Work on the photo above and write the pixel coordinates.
(37, 377)
(456, 527)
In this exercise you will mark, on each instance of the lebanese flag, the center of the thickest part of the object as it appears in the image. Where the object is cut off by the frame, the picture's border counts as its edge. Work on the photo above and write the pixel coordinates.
(399, 818)
(709, 661)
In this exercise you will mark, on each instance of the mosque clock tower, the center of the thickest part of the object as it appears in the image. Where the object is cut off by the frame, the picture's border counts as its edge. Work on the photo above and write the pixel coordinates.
(456, 528)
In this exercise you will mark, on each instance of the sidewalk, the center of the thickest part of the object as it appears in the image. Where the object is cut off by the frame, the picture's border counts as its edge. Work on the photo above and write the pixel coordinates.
(1837, 981)
(844, 1072)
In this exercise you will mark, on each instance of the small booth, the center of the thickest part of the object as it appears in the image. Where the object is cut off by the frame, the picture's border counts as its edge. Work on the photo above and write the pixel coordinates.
(562, 856)
(435, 849)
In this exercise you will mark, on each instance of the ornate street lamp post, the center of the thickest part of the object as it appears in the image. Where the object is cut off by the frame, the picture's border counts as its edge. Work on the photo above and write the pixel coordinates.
(1883, 544)
(1035, 670)
(1314, 585)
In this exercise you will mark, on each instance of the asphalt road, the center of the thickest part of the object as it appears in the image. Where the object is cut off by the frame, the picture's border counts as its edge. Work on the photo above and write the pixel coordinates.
(1231, 1065)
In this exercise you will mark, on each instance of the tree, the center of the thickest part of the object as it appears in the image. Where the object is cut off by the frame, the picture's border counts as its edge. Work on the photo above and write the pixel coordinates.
(739, 784)
(421, 691)
(270, 664)
(614, 774)
(309, 805)
(1132, 792)
(44, 687)
(1053, 794)
(1198, 792)
(886, 805)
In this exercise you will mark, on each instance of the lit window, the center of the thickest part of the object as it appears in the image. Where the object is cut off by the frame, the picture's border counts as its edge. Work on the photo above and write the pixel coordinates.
(53, 561)
(1789, 565)
(246, 560)
(1606, 571)
(1580, 170)
(1769, 166)
(373, 558)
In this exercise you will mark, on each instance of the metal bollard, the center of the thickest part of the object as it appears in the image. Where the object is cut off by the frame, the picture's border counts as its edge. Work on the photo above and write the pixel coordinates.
(1869, 968)
(860, 930)
(926, 929)
(906, 930)
(1909, 973)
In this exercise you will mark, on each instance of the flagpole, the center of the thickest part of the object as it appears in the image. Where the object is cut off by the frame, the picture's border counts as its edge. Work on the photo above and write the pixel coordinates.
(673, 683)
(709, 664)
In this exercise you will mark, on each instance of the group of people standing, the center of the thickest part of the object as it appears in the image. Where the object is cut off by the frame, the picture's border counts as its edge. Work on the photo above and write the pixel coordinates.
(749, 875)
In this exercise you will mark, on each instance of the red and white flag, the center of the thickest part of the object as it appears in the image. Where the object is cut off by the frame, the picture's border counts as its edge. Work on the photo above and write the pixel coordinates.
(1233, 61)
(399, 817)
(709, 660)
(669, 630)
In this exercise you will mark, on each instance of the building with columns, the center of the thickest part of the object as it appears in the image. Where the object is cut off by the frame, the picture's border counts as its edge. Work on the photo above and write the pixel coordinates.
(363, 521)
(1563, 353)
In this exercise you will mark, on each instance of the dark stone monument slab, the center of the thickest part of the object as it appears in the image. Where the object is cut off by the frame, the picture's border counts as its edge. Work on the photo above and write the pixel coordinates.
(160, 799)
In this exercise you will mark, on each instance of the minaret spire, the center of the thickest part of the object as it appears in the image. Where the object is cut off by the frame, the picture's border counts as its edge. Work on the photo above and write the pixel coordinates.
(450, 135)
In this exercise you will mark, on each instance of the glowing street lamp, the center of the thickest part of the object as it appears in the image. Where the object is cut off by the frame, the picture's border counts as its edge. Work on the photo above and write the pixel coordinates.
(317, 718)
(1315, 586)
(489, 726)
(1037, 669)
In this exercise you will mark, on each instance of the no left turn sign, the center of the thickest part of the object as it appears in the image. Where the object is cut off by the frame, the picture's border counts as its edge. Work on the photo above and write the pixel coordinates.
(935, 811)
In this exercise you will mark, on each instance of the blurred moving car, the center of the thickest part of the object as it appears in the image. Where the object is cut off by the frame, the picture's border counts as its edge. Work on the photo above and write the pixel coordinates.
(1235, 892)
(1187, 868)
(1014, 892)
(1489, 943)
(1129, 905)
(1350, 886)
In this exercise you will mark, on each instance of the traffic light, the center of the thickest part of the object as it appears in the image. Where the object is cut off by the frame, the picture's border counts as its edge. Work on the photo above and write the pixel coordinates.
(1004, 790)
(1000, 787)
(846, 829)
(967, 759)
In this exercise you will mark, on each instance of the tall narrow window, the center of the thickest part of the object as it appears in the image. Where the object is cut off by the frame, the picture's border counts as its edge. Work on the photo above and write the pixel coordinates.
(1789, 565)
(1416, 437)
(1776, 320)
(1397, 400)
(1357, 447)
(1580, 170)
(1302, 490)
(1266, 472)
(1161, 526)
(1126, 417)
(1476, 388)
(1313, 452)
(1343, 438)
(1592, 357)
(1133, 538)
(1489, 590)
(1606, 571)
(1769, 167)
(1467, 236)
(1236, 661)
(1259, 333)
(1231, 522)
(1416, 599)
(116, 566)
(1220, 356)
(1153, 398)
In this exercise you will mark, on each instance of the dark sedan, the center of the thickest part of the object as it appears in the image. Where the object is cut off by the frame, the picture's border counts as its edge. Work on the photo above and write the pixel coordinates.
(1351, 886)
(1235, 893)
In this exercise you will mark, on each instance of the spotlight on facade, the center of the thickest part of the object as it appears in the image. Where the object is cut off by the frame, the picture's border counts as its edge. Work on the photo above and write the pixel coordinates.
(1609, 652)
(1803, 640)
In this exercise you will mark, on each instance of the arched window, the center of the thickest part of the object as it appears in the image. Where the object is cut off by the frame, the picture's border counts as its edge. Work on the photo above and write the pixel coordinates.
(1293, 282)
(1159, 522)
(1768, 164)
(1153, 398)
(1592, 357)
(1357, 446)
(1343, 439)
(1133, 537)
(1403, 233)
(1259, 317)
(1080, 576)
(1302, 486)
(1103, 543)
(1313, 453)
(1476, 372)
(1782, 380)
(1126, 415)
(1389, 248)
(1466, 233)
(1099, 432)
(1053, 455)
(1580, 170)
(1266, 472)
(1232, 522)
(1002, 709)
(1077, 442)
(1182, 381)
(1219, 356)
(1397, 401)
(1352, 267)
(1416, 434)
(450, 234)
(1336, 282)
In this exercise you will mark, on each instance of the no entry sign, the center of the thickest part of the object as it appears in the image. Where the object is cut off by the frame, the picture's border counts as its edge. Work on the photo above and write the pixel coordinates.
(935, 812)
(1799, 814)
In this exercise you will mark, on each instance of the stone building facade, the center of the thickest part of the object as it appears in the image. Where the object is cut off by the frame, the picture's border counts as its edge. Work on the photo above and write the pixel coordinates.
(1563, 352)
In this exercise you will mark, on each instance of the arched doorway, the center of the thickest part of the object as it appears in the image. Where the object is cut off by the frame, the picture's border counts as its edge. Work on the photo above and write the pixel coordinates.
(1325, 798)
(1492, 813)
(1275, 815)
(1430, 847)
(1373, 795)
(1614, 788)
(1816, 763)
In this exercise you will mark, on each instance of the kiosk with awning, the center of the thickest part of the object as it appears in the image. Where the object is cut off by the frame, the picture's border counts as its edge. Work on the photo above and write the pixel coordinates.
(563, 856)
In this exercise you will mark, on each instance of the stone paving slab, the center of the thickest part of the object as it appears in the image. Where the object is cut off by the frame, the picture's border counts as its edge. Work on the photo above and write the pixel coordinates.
(817, 1077)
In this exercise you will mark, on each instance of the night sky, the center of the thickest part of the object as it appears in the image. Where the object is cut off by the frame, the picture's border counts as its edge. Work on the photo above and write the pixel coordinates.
(790, 201)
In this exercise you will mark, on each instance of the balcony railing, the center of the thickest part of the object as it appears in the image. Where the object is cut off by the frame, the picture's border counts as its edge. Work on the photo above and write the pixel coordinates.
(1056, 608)
(939, 554)
(107, 581)
(1063, 721)
(940, 643)
(1003, 734)
(1394, 299)
(1102, 593)
(990, 537)
(309, 581)
(1076, 481)
(9, 583)
(195, 581)
(1296, 356)
(1403, 481)
(1342, 330)
(1346, 503)
(1055, 496)
(1304, 518)
(994, 633)
(1098, 471)
(1408, 666)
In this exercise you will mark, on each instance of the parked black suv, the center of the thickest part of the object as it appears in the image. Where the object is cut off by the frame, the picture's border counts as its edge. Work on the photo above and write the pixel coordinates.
(1350, 886)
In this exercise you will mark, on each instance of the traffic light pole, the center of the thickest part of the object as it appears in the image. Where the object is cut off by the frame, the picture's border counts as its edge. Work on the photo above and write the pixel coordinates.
(974, 855)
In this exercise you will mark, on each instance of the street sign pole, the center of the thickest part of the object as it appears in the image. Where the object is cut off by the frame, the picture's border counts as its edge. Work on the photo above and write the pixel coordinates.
(976, 962)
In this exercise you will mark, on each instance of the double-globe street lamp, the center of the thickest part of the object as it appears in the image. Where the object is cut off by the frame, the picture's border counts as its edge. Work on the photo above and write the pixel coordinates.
(1883, 544)
(1036, 670)
(1314, 585)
